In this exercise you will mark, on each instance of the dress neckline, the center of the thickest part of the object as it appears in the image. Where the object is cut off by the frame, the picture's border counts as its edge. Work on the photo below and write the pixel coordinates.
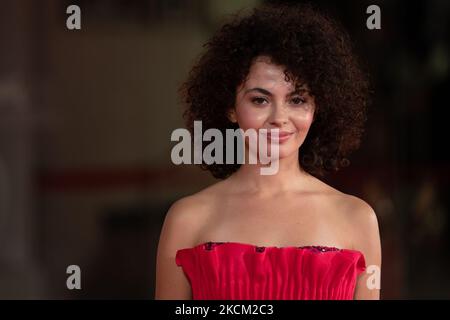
(210, 245)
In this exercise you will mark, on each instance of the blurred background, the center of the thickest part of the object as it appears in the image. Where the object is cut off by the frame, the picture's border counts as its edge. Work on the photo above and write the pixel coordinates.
(85, 121)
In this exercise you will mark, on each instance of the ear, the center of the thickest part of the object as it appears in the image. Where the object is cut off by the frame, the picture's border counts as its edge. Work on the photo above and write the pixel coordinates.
(231, 115)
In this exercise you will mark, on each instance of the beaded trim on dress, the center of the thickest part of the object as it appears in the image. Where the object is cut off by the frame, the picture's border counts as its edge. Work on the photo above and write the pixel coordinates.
(318, 249)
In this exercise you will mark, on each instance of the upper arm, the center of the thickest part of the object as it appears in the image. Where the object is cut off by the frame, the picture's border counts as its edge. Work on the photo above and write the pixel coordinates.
(177, 232)
(367, 240)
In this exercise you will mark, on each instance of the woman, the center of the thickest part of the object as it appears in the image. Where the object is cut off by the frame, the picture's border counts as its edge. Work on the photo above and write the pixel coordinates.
(287, 235)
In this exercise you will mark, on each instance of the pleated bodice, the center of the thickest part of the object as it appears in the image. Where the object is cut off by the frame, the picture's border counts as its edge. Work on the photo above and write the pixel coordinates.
(241, 271)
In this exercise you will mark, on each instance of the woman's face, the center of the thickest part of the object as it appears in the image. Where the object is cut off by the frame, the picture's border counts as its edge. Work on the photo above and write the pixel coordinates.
(267, 101)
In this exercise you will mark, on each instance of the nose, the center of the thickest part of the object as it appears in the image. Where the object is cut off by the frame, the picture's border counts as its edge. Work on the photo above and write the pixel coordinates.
(279, 116)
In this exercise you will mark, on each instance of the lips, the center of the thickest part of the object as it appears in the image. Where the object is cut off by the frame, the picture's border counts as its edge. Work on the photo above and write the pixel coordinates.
(282, 136)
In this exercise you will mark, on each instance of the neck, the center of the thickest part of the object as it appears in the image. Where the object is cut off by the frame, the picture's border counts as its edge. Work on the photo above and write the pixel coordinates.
(290, 176)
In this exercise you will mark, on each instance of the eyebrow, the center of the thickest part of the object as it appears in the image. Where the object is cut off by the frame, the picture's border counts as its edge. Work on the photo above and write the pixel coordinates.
(267, 92)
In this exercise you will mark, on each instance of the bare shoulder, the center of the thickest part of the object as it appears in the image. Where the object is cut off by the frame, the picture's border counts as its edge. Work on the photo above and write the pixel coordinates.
(348, 207)
(364, 228)
(361, 215)
(184, 219)
(345, 206)
(182, 224)
(187, 216)
(357, 217)
(359, 224)
(366, 239)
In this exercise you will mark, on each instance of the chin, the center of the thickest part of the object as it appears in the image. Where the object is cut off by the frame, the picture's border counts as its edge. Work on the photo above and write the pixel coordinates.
(286, 151)
(286, 154)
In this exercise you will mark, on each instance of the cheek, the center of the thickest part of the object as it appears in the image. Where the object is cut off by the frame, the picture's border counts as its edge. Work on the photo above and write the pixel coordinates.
(251, 117)
(303, 122)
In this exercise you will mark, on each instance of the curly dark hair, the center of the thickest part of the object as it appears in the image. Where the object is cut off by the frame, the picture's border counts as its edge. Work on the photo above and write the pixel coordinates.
(313, 49)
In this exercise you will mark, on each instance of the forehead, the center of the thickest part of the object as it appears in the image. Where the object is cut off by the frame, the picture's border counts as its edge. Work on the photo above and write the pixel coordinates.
(265, 73)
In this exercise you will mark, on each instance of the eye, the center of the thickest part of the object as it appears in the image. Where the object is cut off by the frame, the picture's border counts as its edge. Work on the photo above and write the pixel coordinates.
(259, 100)
(298, 100)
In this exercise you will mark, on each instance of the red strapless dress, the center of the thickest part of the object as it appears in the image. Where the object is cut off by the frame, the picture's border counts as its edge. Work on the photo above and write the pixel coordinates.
(241, 271)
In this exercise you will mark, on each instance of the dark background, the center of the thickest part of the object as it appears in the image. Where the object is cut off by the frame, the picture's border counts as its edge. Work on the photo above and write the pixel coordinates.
(85, 123)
